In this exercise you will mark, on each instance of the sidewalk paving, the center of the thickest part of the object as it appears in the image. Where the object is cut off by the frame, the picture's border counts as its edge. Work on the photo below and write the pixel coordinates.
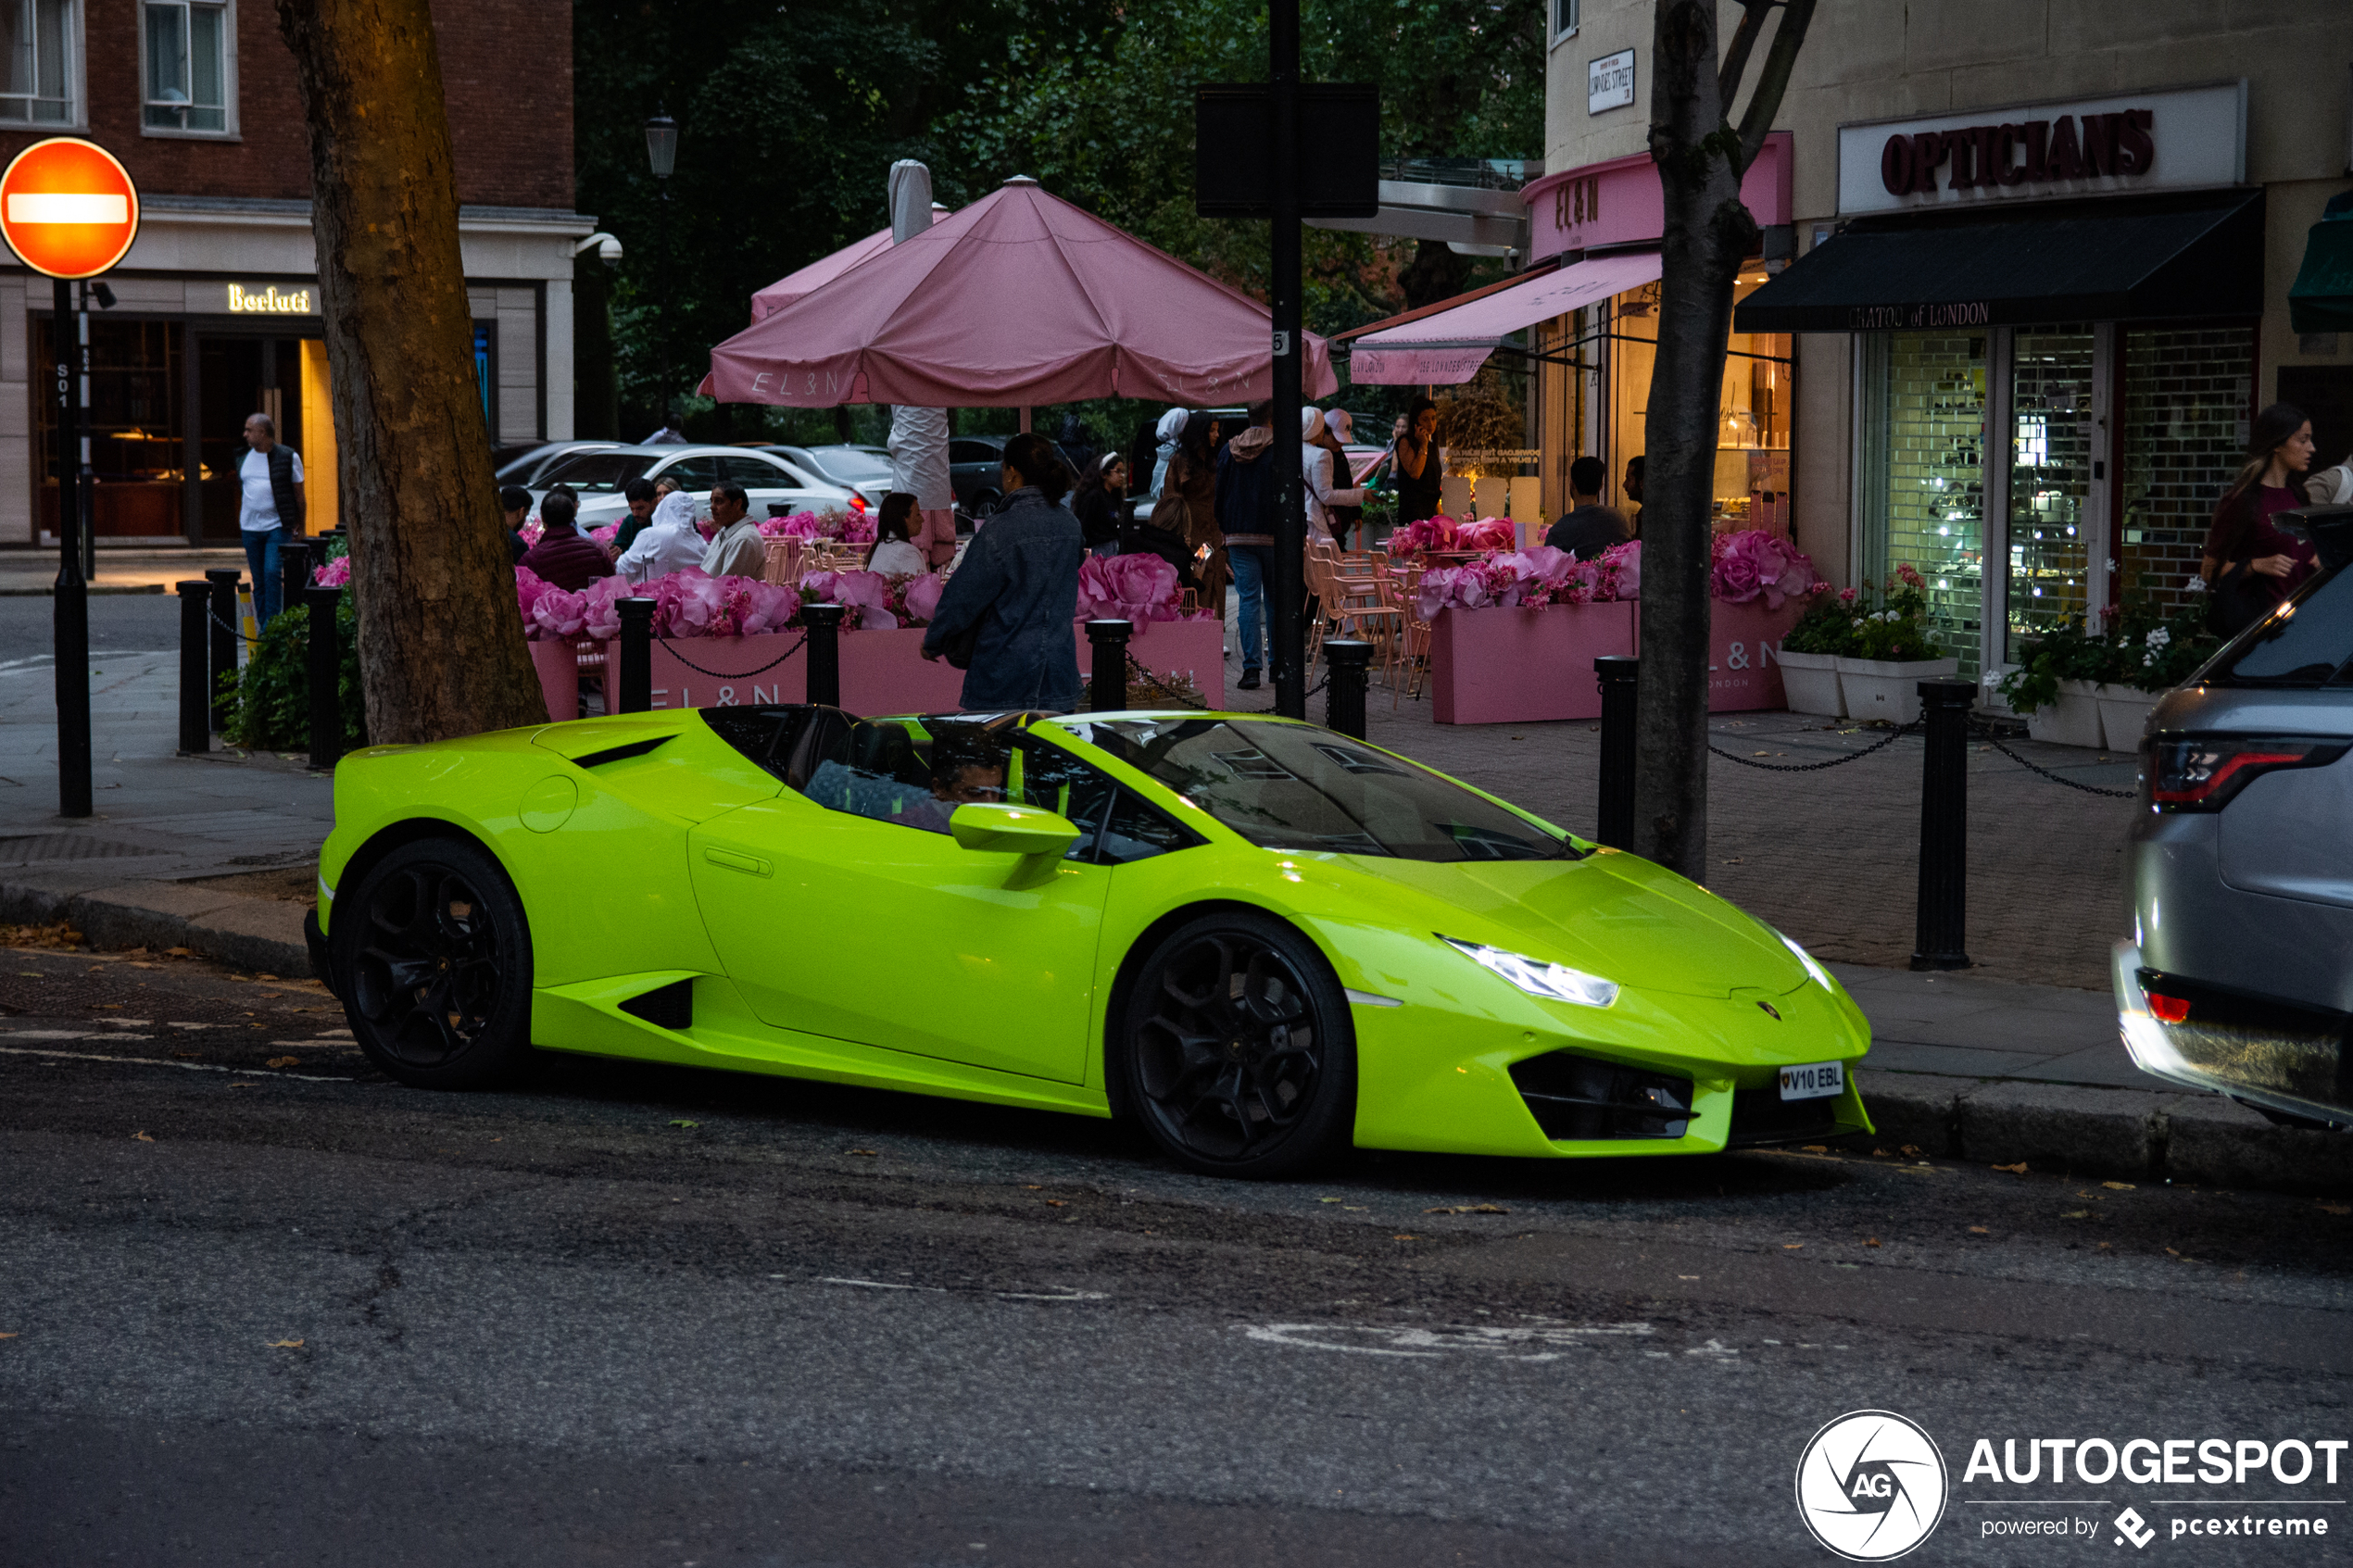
(1999, 1064)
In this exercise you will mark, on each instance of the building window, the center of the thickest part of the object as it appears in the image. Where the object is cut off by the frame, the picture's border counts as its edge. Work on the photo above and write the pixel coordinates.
(189, 67)
(40, 39)
(1566, 18)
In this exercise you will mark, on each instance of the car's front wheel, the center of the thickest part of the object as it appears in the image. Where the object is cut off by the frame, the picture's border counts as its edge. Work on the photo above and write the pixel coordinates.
(1235, 1048)
(433, 955)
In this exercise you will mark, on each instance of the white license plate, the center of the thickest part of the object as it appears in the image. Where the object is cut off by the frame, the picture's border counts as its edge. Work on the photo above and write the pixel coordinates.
(1815, 1081)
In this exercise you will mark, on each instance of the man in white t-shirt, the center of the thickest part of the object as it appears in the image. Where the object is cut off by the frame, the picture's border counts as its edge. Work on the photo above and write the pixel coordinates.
(272, 478)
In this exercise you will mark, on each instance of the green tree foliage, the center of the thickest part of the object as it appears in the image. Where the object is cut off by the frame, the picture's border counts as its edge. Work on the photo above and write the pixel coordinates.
(790, 116)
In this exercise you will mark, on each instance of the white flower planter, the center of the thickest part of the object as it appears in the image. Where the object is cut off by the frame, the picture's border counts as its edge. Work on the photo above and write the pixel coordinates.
(1810, 682)
(2073, 720)
(2124, 716)
(1889, 689)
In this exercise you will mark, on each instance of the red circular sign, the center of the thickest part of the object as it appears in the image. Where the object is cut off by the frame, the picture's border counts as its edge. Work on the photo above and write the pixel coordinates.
(68, 207)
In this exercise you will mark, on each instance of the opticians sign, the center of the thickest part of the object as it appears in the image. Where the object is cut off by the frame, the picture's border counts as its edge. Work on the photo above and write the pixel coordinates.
(2181, 138)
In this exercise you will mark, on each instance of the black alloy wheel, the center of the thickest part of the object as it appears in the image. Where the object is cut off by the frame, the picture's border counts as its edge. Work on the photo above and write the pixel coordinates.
(1237, 1050)
(435, 958)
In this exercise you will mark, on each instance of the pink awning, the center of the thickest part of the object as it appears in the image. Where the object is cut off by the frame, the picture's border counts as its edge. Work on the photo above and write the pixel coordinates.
(1447, 348)
(1019, 300)
(818, 273)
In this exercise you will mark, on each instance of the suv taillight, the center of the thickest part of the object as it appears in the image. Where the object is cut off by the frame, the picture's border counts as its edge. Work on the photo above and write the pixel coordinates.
(2202, 773)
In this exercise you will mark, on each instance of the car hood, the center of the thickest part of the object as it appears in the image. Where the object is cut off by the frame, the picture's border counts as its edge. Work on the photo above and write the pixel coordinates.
(1614, 915)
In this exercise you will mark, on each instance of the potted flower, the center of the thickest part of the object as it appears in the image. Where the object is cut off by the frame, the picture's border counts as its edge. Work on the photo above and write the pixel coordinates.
(1879, 675)
(1809, 654)
(2148, 656)
(2055, 688)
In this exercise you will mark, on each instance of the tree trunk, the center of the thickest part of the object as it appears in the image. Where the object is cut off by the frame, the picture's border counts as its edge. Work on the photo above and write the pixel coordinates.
(441, 647)
(1707, 234)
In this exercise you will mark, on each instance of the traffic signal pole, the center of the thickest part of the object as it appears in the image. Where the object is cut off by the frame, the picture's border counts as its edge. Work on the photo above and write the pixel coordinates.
(1286, 594)
(71, 602)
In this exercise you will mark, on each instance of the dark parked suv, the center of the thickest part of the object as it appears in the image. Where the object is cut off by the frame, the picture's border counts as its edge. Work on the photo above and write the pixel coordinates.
(2239, 974)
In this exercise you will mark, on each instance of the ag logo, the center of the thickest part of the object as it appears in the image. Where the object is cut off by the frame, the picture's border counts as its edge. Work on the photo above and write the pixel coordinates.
(1871, 1486)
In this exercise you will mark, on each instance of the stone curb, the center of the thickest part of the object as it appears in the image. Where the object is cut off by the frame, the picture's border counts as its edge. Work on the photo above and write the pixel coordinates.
(262, 935)
(2134, 1135)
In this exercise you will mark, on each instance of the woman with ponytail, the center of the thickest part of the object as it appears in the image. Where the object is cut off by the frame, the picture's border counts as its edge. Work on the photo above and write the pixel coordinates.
(2250, 566)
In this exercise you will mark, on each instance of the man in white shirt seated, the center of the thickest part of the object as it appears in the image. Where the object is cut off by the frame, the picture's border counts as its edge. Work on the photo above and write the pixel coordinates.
(271, 476)
(737, 548)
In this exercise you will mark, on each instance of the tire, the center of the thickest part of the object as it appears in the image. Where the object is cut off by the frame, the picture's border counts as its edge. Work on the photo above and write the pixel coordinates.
(1236, 1049)
(434, 956)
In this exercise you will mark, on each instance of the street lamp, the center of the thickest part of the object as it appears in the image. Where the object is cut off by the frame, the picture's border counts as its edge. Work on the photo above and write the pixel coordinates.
(661, 148)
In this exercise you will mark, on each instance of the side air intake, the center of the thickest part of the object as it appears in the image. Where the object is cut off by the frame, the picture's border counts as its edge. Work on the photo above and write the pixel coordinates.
(665, 1006)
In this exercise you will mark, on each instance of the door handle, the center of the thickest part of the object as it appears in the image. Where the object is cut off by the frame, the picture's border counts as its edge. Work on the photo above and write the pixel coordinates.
(735, 862)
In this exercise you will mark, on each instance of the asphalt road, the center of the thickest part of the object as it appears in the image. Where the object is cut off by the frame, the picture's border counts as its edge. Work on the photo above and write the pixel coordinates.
(119, 623)
(619, 1314)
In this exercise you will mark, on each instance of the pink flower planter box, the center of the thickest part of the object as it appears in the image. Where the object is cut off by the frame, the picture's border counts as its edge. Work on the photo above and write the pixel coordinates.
(883, 671)
(1744, 668)
(558, 661)
(1523, 666)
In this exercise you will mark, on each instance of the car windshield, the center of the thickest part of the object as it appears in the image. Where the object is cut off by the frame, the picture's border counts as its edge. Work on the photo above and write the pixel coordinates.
(2310, 643)
(849, 462)
(597, 473)
(1289, 786)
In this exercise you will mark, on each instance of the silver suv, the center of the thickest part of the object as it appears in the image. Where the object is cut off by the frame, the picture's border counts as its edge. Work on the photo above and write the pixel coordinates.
(2239, 974)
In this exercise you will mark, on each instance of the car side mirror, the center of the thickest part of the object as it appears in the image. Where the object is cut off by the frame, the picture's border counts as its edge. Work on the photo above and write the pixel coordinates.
(1011, 830)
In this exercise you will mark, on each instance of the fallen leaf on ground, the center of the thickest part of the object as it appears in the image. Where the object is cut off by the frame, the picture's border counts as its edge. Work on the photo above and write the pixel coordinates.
(143, 1138)
(686, 1123)
(2077, 1214)
(2017, 1170)
(1405, 1238)
(1878, 1153)
(1871, 1241)
(284, 1062)
(1687, 1277)
(2106, 1247)
(8, 1335)
(1470, 1209)
(1056, 1203)
(265, 977)
(186, 1056)
(1816, 1148)
(2336, 1209)
(1033, 1186)
(1792, 1246)
(179, 952)
(1979, 1230)
(285, 1343)
(2118, 1186)
(2175, 1250)
(1327, 1200)
(866, 1153)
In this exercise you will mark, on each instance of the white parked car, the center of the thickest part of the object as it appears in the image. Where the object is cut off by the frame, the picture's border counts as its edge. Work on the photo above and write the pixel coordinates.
(598, 479)
(863, 469)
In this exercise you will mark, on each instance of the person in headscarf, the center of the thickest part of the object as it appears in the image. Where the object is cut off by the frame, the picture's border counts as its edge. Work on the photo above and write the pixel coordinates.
(1316, 476)
(1171, 426)
(669, 542)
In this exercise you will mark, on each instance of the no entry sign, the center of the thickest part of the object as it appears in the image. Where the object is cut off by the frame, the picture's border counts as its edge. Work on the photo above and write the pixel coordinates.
(68, 208)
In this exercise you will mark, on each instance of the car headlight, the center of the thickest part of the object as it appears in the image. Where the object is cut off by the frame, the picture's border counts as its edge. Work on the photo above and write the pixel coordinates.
(1554, 983)
(1821, 976)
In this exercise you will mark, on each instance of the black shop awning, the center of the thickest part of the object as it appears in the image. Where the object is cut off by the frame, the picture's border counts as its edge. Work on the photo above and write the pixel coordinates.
(2122, 260)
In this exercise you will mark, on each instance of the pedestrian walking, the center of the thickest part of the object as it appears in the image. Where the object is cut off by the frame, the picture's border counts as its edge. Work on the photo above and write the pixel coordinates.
(2249, 565)
(1419, 467)
(1245, 502)
(895, 554)
(737, 547)
(1589, 527)
(514, 502)
(1012, 599)
(271, 476)
(565, 555)
(1099, 502)
(671, 434)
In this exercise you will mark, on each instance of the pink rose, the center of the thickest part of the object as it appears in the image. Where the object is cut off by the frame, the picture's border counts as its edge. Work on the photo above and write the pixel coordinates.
(923, 596)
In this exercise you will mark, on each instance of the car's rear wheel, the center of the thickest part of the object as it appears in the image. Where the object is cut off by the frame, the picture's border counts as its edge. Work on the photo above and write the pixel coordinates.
(434, 956)
(1235, 1048)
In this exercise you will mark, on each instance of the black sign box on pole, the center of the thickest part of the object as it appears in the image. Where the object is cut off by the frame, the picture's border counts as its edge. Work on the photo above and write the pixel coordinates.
(1234, 137)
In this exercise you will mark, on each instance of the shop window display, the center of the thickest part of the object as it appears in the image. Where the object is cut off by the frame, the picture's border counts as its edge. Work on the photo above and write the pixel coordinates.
(1924, 487)
(2050, 478)
(1753, 440)
(137, 450)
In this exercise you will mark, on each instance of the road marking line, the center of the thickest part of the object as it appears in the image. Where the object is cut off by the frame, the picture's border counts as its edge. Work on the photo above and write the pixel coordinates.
(152, 1061)
(1414, 1342)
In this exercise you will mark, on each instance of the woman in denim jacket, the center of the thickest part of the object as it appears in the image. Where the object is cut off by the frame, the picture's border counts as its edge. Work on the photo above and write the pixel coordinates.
(1018, 584)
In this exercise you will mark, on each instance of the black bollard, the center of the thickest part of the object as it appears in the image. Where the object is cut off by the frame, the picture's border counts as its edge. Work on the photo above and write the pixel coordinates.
(1944, 902)
(326, 677)
(635, 692)
(1109, 638)
(195, 665)
(293, 572)
(1614, 821)
(824, 653)
(223, 664)
(1347, 659)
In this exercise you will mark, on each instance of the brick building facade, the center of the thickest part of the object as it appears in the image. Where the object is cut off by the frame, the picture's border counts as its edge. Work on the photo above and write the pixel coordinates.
(216, 305)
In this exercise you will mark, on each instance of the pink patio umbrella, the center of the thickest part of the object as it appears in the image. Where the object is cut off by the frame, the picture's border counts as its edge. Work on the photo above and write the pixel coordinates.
(1020, 300)
(817, 274)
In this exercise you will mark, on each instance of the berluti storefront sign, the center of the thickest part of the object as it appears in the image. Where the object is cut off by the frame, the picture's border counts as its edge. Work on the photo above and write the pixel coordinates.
(255, 298)
(2175, 139)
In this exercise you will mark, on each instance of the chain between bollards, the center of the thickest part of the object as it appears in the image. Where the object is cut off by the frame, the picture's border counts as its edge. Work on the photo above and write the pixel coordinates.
(1614, 820)
(222, 665)
(1942, 932)
(326, 677)
(1108, 637)
(1348, 661)
(824, 653)
(195, 611)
